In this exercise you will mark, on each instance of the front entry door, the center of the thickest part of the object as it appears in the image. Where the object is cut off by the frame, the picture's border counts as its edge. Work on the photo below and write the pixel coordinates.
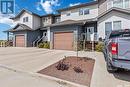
(89, 31)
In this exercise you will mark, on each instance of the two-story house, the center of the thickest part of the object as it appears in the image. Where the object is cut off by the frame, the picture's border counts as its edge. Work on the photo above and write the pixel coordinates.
(75, 21)
(31, 28)
(27, 28)
(113, 15)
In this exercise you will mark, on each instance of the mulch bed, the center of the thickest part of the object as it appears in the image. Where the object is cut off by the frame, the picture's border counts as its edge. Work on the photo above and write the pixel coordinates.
(74, 69)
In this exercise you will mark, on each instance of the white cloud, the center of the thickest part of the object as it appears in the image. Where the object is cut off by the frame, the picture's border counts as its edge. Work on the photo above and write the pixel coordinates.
(49, 4)
(74, 4)
(38, 8)
(5, 19)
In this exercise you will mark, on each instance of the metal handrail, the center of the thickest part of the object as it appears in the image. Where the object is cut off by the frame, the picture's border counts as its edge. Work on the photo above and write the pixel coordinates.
(40, 40)
(35, 41)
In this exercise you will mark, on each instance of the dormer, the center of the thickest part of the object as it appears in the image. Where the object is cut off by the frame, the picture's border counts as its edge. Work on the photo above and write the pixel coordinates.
(28, 18)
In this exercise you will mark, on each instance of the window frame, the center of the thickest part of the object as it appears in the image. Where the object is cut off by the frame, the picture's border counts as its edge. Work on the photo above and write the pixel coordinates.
(81, 12)
(88, 11)
(126, 2)
(25, 19)
(116, 22)
(107, 30)
(122, 4)
(118, 3)
(68, 14)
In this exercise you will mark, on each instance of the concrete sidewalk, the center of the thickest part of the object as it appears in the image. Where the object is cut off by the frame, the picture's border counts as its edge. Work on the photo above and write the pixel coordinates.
(31, 60)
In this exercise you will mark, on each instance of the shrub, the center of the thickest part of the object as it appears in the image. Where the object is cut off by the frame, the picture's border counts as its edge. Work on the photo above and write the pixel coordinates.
(41, 45)
(78, 70)
(44, 45)
(99, 47)
(47, 45)
(80, 46)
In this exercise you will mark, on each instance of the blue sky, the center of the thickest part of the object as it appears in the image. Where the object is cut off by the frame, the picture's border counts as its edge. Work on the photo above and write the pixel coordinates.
(40, 7)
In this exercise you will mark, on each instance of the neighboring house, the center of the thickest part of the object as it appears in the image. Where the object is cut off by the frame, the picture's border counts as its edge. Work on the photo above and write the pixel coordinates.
(27, 28)
(76, 22)
(113, 15)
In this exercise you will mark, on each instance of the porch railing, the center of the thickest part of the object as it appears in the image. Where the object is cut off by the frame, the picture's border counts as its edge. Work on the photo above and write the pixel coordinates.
(43, 38)
(35, 41)
(38, 40)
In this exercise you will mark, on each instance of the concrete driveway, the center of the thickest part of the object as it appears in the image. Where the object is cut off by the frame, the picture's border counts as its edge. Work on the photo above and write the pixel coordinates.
(18, 67)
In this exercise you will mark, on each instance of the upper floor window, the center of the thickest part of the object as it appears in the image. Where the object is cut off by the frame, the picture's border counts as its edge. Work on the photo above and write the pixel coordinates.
(127, 3)
(45, 19)
(118, 3)
(81, 12)
(57, 19)
(67, 14)
(84, 11)
(25, 19)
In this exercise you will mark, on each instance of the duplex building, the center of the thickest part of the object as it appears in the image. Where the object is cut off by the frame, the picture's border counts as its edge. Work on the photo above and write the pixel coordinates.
(88, 21)
(31, 28)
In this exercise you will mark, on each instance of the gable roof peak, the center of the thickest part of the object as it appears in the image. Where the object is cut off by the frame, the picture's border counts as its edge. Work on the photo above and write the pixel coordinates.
(22, 11)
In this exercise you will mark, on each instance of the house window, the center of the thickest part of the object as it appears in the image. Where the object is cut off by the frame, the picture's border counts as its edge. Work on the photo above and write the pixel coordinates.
(81, 12)
(57, 19)
(118, 3)
(25, 19)
(127, 3)
(68, 14)
(116, 25)
(86, 11)
(108, 28)
(45, 19)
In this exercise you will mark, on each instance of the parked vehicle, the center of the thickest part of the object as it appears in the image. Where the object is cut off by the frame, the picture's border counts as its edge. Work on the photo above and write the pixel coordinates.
(117, 50)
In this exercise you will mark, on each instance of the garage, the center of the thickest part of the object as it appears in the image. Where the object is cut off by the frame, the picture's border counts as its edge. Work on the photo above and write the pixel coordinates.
(63, 40)
(20, 41)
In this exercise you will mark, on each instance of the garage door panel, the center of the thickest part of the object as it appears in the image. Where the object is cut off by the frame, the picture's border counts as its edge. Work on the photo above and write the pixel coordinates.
(20, 41)
(63, 40)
